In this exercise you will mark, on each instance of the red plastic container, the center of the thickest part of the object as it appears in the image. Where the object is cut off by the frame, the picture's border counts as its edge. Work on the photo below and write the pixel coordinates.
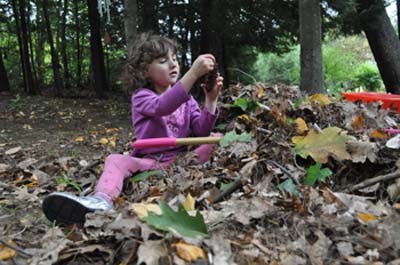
(389, 101)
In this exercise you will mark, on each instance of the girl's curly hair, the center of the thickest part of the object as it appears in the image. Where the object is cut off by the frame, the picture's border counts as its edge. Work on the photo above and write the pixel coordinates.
(147, 48)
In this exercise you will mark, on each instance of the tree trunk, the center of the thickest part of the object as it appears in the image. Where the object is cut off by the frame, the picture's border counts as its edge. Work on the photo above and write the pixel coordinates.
(96, 50)
(39, 48)
(130, 22)
(312, 77)
(21, 53)
(78, 45)
(4, 84)
(58, 87)
(30, 44)
(150, 17)
(30, 89)
(383, 41)
(398, 17)
(64, 45)
(212, 37)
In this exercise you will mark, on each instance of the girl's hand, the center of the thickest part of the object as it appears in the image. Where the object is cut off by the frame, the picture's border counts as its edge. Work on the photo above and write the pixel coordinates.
(202, 65)
(212, 95)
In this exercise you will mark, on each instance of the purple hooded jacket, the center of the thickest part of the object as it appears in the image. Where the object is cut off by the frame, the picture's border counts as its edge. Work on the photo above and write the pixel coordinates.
(175, 113)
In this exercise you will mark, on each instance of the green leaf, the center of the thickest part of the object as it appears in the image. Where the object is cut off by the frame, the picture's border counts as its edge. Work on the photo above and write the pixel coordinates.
(233, 137)
(315, 173)
(225, 186)
(180, 222)
(144, 175)
(289, 186)
(245, 104)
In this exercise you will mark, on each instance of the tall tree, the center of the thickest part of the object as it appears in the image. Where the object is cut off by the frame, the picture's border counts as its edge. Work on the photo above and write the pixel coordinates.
(4, 84)
(398, 17)
(150, 17)
(130, 22)
(78, 45)
(311, 76)
(64, 44)
(30, 89)
(382, 40)
(96, 50)
(19, 38)
(58, 86)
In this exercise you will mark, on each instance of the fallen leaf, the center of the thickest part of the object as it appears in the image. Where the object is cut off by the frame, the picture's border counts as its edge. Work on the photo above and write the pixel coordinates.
(103, 141)
(6, 252)
(358, 122)
(13, 151)
(79, 139)
(189, 203)
(366, 217)
(379, 134)
(330, 141)
(321, 99)
(360, 151)
(189, 253)
(142, 209)
(301, 125)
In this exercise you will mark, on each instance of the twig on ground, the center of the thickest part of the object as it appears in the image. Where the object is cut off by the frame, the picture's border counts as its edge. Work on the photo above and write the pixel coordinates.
(19, 250)
(287, 172)
(372, 181)
(237, 184)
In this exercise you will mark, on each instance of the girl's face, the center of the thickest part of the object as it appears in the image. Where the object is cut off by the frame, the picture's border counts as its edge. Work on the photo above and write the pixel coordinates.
(164, 72)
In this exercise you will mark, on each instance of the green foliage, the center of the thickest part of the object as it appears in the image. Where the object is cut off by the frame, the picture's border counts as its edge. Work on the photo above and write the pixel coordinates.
(180, 222)
(368, 77)
(289, 186)
(68, 182)
(230, 137)
(339, 68)
(225, 186)
(17, 102)
(275, 68)
(245, 104)
(144, 175)
(315, 173)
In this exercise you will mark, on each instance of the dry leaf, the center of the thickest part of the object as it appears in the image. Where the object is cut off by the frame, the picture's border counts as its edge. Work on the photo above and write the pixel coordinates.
(189, 253)
(260, 92)
(103, 141)
(141, 209)
(189, 203)
(301, 125)
(13, 151)
(330, 141)
(358, 122)
(366, 217)
(360, 151)
(79, 139)
(321, 99)
(6, 252)
(379, 134)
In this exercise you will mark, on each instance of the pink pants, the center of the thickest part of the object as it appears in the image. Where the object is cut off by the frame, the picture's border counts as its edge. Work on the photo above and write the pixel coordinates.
(118, 167)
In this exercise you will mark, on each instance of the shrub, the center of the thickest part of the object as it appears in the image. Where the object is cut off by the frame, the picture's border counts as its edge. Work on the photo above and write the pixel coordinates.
(368, 77)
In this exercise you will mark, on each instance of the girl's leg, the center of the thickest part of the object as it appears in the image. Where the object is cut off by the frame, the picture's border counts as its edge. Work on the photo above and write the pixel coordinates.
(117, 167)
(205, 151)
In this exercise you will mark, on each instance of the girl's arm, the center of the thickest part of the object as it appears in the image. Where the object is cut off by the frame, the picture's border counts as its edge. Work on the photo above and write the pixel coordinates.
(202, 65)
(149, 103)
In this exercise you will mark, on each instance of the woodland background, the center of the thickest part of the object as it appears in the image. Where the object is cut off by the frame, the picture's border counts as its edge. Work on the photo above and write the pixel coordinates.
(65, 47)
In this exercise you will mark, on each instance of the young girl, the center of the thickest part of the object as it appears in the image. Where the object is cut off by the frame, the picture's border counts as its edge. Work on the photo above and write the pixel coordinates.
(161, 107)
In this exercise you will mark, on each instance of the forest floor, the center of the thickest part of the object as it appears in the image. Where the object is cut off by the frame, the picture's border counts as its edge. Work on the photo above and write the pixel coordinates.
(49, 145)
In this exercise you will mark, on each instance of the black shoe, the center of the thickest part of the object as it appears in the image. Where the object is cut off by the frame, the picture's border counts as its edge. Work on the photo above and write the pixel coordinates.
(69, 209)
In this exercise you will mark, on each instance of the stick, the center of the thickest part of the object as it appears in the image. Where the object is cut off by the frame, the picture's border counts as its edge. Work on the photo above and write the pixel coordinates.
(372, 181)
(19, 250)
(237, 184)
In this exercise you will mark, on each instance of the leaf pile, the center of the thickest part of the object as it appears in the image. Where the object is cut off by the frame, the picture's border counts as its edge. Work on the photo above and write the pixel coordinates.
(299, 198)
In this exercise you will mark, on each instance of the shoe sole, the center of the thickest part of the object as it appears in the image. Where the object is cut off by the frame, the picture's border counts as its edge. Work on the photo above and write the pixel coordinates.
(64, 210)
